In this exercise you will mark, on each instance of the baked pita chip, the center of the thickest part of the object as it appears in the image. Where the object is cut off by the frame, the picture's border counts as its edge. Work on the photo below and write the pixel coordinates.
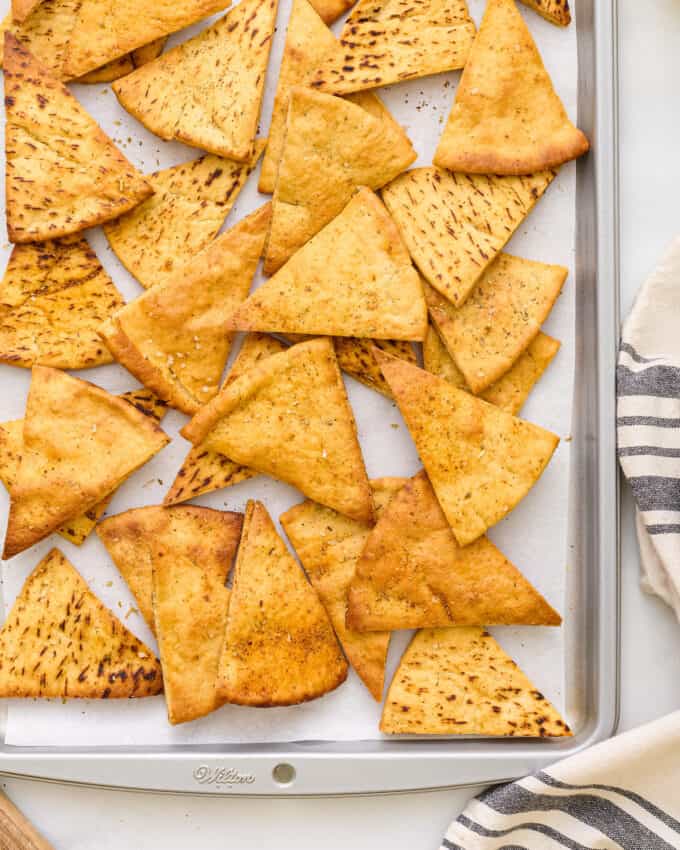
(60, 641)
(480, 460)
(207, 91)
(454, 225)
(63, 172)
(328, 545)
(331, 10)
(412, 574)
(555, 11)
(53, 297)
(384, 42)
(459, 681)
(500, 318)
(79, 444)
(279, 645)
(186, 211)
(45, 33)
(507, 118)
(124, 64)
(21, 9)
(289, 417)
(172, 337)
(355, 358)
(354, 278)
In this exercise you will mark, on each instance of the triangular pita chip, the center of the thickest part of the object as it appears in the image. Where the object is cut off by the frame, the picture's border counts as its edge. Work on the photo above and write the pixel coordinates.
(481, 460)
(355, 357)
(455, 224)
(332, 146)
(507, 118)
(172, 337)
(21, 9)
(279, 646)
(460, 682)
(207, 91)
(289, 417)
(412, 574)
(63, 172)
(354, 278)
(60, 641)
(385, 41)
(45, 33)
(53, 297)
(555, 11)
(185, 213)
(79, 444)
(124, 64)
(500, 318)
(331, 10)
(328, 545)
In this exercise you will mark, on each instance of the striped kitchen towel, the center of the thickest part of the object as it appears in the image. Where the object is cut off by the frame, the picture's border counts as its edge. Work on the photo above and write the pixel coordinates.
(648, 424)
(623, 794)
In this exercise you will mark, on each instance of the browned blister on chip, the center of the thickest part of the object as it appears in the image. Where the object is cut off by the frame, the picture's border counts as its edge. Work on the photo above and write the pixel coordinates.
(555, 11)
(124, 64)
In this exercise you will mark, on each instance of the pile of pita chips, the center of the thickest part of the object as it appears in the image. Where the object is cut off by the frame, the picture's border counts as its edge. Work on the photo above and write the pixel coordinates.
(279, 645)
(507, 117)
(459, 681)
(125, 64)
(389, 41)
(412, 574)
(60, 641)
(206, 92)
(555, 11)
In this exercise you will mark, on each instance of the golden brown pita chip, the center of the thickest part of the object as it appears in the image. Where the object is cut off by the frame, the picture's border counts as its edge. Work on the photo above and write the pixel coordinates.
(53, 297)
(60, 641)
(555, 11)
(454, 225)
(355, 357)
(63, 172)
(79, 444)
(207, 91)
(289, 417)
(328, 545)
(500, 318)
(21, 9)
(412, 574)
(45, 33)
(354, 278)
(460, 682)
(185, 213)
(507, 117)
(481, 460)
(279, 646)
(172, 338)
(331, 10)
(124, 64)
(388, 41)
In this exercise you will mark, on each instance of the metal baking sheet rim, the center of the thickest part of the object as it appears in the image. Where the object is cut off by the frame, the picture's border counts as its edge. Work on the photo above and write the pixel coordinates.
(394, 766)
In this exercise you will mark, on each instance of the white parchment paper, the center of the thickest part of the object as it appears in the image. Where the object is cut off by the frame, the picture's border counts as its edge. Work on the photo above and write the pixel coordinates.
(533, 536)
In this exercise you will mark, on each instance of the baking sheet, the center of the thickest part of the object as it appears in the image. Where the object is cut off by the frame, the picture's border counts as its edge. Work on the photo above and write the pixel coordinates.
(533, 536)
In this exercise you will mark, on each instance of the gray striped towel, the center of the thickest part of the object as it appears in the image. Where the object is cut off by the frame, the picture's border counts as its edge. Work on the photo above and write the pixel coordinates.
(623, 794)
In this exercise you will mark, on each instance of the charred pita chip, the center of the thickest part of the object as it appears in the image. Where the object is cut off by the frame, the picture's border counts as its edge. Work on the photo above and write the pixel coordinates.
(279, 645)
(507, 117)
(289, 417)
(387, 41)
(354, 278)
(63, 172)
(412, 574)
(355, 357)
(60, 641)
(185, 213)
(480, 460)
(555, 11)
(454, 225)
(207, 91)
(124, 64)
(456, 682)
(172, 337)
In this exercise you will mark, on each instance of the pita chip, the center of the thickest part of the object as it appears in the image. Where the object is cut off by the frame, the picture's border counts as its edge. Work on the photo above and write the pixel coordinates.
(354, 278)
(456, 682)
(172, 338)
(79, 444)
(124, 64)
(507, 118)
(499, 319)
(289, 417)
(21, 9)
(331, 10)
(45, 33)
(389, 41)
(480, 460)
(454, 225)
(207, 91)
(60, 641)
(355, 358)
(328, 545)
(63, 172)
(186, 211)
(279, 645)
(412, 574)
(555, 11)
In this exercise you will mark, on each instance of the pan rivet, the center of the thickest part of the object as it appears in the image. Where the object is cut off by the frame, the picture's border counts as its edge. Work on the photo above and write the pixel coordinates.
(283, 774)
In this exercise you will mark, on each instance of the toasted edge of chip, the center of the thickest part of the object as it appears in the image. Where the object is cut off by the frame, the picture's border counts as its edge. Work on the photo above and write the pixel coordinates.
(555, 11)
(126, 64)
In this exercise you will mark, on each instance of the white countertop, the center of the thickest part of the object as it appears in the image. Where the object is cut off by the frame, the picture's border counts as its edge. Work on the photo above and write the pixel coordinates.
(79, 819)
